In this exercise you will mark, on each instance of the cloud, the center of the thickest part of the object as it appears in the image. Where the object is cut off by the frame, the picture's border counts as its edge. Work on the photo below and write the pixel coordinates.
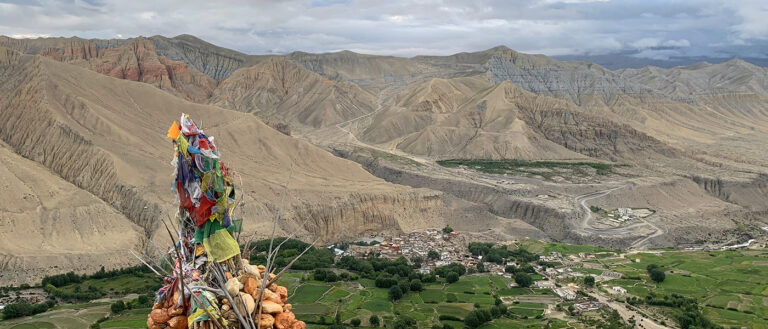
(411, 27)
(646, 43)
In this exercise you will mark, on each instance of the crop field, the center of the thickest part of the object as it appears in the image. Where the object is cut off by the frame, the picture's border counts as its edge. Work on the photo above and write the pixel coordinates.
(540, 169)
(731, 285)
(356, 300)
(63, 318)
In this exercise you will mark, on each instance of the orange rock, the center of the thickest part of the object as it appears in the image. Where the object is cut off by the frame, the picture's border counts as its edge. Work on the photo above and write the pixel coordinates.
(287, 307)
(156, 306)
(271, 307)
(299, 325)
(159, 316)
(150, 323)
(178, 322)
(273, 287)
(283, 293)
(228, 275)
(284, 320)
(266, 321)
(175, 311)
(262, 269)
(250, 286)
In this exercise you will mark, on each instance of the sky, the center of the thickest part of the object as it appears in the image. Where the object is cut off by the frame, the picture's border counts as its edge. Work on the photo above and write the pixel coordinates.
(644, 28)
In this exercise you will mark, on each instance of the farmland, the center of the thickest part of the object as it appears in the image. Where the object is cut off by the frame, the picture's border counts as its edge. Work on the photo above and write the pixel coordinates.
(730, 285)
(317, 303)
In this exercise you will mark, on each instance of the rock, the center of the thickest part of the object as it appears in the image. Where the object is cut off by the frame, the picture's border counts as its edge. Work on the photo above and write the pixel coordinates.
(271, 307)
(233, 286)
(178, 322)
(252, 271)
(273, 287)
(266, 321)
(247, 299)
(299, 325)
(268, 295)
(159, 316)
(283, 293)
(287, 307)
(284, 320)
(250, 285)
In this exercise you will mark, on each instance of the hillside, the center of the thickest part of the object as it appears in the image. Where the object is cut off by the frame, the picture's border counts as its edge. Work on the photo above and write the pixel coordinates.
(106, 136)
(278, 88)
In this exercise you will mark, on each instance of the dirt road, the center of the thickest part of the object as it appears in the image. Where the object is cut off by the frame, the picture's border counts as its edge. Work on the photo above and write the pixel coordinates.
(626, 314)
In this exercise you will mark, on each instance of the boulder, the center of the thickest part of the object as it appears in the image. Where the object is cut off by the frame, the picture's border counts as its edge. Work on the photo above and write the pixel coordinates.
(271, 307)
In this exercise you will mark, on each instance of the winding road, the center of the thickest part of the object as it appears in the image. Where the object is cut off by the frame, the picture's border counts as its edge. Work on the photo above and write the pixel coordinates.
(586, 227)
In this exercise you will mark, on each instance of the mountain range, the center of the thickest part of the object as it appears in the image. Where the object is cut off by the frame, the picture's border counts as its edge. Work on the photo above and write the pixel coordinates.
(352, 140)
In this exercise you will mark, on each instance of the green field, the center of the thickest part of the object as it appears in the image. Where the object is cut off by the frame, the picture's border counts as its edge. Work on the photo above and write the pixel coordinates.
(730, 284)
(544, 169)
(354, 300)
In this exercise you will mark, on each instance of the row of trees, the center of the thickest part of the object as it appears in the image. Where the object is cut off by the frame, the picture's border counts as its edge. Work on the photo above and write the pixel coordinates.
(500, 255)
(16, 310)
(479, 317)
(314, 258)
(60, 280)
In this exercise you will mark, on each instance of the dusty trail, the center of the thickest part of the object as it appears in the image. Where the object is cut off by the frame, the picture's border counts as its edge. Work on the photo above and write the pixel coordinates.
(586, 227)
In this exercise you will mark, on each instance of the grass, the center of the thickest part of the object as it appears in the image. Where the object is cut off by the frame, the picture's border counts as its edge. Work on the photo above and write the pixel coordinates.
(425, 306)
(727, 282)
(546, 169)
(376, 154)
(309, 293)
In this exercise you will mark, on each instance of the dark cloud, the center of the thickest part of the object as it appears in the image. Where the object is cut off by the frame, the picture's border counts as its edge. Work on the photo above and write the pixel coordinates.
(647, 28)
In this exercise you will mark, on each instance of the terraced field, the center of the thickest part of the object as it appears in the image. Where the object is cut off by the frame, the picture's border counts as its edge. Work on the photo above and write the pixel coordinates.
(731, 285)
(317, 303)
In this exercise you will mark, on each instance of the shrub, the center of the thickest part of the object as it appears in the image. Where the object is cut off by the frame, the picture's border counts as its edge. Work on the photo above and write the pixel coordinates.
(395, 293)
(452, 277)
(523, 279)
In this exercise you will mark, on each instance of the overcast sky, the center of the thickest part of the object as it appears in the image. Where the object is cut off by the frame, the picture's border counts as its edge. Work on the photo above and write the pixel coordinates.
(649, 28)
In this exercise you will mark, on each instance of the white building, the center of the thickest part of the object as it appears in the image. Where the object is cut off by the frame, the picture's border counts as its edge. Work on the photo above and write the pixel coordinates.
(619, 290)
(545, 284)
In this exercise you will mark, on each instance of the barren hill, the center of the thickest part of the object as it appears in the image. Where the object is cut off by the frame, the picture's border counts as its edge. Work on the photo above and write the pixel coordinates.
(106, 137)
(134, 59)
(282, 89)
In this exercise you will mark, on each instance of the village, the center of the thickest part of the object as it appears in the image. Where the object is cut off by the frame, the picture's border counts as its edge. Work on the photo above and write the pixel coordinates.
(452, 247)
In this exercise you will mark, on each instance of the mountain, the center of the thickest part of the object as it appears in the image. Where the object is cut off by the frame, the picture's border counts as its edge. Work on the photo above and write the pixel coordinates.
(100, 141)
(279, 88)
(134, 59)
(625, 138)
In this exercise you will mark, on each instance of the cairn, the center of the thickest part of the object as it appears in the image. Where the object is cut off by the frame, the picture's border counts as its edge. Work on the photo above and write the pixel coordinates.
(212, 286)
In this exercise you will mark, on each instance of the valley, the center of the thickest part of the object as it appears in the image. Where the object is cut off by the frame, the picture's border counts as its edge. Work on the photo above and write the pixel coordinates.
(496, 143)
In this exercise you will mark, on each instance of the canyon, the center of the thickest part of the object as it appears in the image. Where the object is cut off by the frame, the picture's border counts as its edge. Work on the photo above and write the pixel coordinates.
(361, 137)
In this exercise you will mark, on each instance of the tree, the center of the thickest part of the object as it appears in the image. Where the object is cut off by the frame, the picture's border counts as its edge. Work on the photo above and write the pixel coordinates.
(480, 267)
(374, 320)
(657, 275)
(405, 287)
(338, 318)
(405, 322)
(447, 229)
(395, 293)
(589, 281)
(117, 307)
(416, 260)
(523, 279)
(416, 285)
(452, 277)
(433, 255)
(355, 322)
(511, 269)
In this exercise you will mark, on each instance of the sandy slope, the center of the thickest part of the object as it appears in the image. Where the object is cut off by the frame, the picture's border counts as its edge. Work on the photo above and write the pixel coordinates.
(106, 136)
